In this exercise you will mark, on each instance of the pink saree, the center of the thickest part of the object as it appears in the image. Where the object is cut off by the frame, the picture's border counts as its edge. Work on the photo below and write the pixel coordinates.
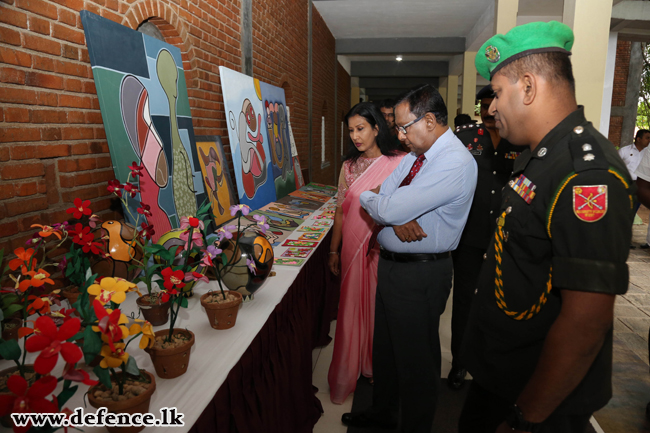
(355, 322)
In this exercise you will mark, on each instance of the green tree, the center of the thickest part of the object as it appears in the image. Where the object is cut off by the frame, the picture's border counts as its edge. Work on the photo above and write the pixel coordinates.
(643, 110)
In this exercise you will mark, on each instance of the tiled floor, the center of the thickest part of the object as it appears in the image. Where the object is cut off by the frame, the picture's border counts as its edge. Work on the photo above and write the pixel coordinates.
(631, 379)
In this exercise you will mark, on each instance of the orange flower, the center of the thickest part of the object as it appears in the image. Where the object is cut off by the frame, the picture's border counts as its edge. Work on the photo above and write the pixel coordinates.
(47, 231)
(38, 278)
(41, 305)
(23, 258)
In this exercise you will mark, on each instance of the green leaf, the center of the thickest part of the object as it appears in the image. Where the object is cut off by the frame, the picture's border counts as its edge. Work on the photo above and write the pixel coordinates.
(12, 309)
(65, 395)
(10, 350)
(92, 344)
(104, 376)
(224, 259)
(132, 367)
(184, 302)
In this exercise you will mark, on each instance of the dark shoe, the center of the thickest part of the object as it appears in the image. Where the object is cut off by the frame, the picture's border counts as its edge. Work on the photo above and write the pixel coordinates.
(364, 420)
(456, 378)
(644, 246)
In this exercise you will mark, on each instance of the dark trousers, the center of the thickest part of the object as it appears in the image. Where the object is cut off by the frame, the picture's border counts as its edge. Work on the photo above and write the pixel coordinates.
(467, 266)
(484, 411)
(406, 347)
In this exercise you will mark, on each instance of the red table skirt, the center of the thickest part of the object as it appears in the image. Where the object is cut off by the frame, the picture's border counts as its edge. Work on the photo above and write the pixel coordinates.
(270, 389)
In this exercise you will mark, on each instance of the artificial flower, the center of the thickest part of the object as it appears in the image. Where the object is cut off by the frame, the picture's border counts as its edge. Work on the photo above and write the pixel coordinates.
(114, 356)
(225, 232)
(245, 210)
(94, 221)
(26, 399)
(47, 231)
(147, 230)
(210, 254)
(110, 289)
(251, 266)
(190, 221)
(197, 238)
(38, 279)
(80, 208)
(129, 188)
(91, 246)
(77, 375)
(115, 187)
(23, 258)
(136, 170)
(148, 337)
(173, 279)
(166, 294)
(81, 235)
(261, 223)
(51, 341)
(39, 305)
(145, 209)
(110, 323)
(195, 276)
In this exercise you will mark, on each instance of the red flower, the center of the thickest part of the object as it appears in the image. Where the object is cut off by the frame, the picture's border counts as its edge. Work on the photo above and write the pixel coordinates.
(50, 341)
(129, 188)
(136, 169)
(173, 279)
(114, 186)
(80, 234)
(168, 294)
(147, 231)
(194, 222)
(109, 324)
(91, 245)
(80, 208)
(28, 400)
(145, 209)
(23, 258)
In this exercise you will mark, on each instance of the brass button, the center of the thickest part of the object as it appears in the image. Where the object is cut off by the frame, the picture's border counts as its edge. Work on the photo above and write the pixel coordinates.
(578, 130)
(508, 209)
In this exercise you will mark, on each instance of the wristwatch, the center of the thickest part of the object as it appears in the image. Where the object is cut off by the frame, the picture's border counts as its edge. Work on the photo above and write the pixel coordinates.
(516, 421)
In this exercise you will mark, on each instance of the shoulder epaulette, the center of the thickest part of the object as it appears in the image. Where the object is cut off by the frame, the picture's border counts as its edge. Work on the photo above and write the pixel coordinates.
(466, 127)
(586, 152)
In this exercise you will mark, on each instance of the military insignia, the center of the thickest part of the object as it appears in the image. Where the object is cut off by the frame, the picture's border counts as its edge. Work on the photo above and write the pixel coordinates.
(470, 147)
(590, 202)
(512, 155)
(524, 187)
(479, 147)
(480, 131)
(589, 157)
(475, 140)
(578, 129)
(492, 54)
(586, 147)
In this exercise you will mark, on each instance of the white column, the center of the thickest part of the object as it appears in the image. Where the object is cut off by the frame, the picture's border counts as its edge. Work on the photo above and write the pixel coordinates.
(505, 15)
(469, 83)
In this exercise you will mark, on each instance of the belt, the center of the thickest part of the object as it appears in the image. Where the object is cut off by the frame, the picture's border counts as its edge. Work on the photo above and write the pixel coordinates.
(412, 257)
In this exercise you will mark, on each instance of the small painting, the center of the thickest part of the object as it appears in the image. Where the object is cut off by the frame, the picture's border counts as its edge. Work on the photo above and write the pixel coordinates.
(311, 236)
(288, 262)
(216, 176)
(300, 253)
(299, 243)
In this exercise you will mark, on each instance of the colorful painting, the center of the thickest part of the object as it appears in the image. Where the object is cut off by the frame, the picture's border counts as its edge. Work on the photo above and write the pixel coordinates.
(310, 195)
(216, 176)
(276, 221)
(288, 262)
(311, 236)
(300, 203)
(328, 188)
(277, 128)
(146, 112)
(322, 223)
(311, 229)
(300, 253)
(283, 209)
(298, 243)
(251, 156)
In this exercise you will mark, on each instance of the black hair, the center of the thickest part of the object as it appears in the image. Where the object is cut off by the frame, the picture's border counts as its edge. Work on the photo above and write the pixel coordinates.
(555, 67)
(386, 103)
(462, 119)
(373, 116)
(640, 133)
(424, 99)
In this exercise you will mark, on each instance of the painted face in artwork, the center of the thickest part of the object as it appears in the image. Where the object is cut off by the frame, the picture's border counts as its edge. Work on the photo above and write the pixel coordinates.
(250, 145)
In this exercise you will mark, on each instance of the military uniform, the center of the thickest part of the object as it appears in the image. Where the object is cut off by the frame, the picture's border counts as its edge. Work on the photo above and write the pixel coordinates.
(564, 223)
(494, 169)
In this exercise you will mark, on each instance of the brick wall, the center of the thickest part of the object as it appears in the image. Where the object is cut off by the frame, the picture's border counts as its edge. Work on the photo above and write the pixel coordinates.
(52, 142)
(621, 71)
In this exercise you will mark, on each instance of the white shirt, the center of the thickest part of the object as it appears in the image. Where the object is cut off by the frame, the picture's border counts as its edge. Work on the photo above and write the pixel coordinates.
(631, 157)
(643, 169)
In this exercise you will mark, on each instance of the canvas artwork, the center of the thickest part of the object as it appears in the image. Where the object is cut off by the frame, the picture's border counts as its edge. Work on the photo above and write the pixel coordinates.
(294, 252)
(300, 203)
(216, 176)
(329, 188)
(277, 128)
(310, 196)
(311, 229)
(246, 119)
(322, 223)
(276, 221)
(288, 262)
(299, 243)
(311, 236)
(282, 209)
(143, 100)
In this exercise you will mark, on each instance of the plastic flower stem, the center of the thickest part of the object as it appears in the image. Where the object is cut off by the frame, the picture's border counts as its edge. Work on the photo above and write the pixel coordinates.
(129, 342)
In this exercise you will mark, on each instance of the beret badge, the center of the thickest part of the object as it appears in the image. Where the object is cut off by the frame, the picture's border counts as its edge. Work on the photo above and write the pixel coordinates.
(492, 54)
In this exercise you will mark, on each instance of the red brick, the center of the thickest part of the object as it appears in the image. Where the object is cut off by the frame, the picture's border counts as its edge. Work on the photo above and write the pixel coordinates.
(14, 57)
(25, 205)
(39, 7)
(43, 63)
(111, 15)
(7, 191)
(21, 171)
(77, 133)
(41, 44)
(12, 75)
(8, 229)
(54, 150)
(5, 153)
(86, 178)
(74, 101)
(67, 34)
(19, 134)
(67, 17)
(86, 193)
(39, 25)
(93, 117)
(76, 117)
(89, 87)
(83, 55)
(52, 190)
(70, 52)
(17, 115)
(9, 36)
(73, 85)
(47, 99)
(13, 17)
(70, 68)
(23, 151)
(48, 116)
(25, 189)
(38, 79)
(25, 223)
(51, 134)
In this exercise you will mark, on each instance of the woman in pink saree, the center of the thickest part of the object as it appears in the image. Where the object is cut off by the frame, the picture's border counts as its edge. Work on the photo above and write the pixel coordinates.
(372, 157)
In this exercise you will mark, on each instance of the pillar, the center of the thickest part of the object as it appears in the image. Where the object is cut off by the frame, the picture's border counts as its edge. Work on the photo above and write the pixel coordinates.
(442, 88)
(469, 83)
(505, 15)
(452, 97)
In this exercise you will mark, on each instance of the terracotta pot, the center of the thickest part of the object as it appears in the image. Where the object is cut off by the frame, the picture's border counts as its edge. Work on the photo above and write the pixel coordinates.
(224, 315)
(71, 294)
(137, 404)
(156, 314)
(171, 363)
(10, 328)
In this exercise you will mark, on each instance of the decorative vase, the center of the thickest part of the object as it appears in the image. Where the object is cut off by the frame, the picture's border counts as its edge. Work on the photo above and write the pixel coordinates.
(136, 404)
(122, 249)
(171, 240)
(222, 315)
(173, 362)
(238, 276)
(156, 314)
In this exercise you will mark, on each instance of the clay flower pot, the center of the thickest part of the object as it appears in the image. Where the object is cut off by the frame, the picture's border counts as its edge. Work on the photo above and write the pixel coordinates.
(222, 315)
(137, 404)
(71, 294)
(156, 314)
(173, 362)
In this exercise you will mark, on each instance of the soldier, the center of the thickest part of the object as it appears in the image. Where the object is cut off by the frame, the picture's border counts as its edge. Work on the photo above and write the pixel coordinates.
(539, 337)
(494, 157)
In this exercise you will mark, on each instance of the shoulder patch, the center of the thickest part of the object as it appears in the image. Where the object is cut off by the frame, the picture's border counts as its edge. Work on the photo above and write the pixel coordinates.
(590, 202)
(586, 152)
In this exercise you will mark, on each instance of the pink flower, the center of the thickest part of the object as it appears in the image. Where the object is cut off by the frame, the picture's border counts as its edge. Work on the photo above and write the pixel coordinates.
(195, 276)
(245, 210)
(225, 232)
(261, 222)
(197, 238)
(190, 221)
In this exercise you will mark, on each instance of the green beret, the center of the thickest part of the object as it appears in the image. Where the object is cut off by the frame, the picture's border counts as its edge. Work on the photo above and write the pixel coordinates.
(521, 41)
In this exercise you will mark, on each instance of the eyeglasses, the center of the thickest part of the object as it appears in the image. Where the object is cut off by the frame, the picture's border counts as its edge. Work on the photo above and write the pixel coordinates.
(402, 129)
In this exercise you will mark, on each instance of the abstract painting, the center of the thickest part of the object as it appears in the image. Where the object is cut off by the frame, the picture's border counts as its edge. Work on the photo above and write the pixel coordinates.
(145, 108)
(216, 176)
(246, 119)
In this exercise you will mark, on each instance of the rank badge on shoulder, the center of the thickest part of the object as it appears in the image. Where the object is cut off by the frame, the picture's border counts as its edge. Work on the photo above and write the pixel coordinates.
(590, 202)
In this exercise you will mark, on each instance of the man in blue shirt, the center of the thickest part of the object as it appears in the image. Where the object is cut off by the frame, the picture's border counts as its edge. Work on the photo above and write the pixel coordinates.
(422, 206)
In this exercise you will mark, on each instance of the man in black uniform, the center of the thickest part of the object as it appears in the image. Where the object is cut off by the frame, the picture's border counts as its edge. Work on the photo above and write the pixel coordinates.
(495, 158)
(387, 108)
(539, 337)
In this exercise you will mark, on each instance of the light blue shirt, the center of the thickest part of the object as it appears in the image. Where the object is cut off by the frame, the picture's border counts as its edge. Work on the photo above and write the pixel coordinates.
(438, 198)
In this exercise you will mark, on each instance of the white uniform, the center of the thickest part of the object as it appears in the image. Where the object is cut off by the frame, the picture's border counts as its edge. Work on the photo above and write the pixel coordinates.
(642, 171)
(631, 157)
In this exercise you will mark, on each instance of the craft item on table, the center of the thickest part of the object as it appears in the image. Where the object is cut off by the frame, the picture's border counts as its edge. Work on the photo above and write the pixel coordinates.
(300, 182)
(146, 113)
(288, 262)
(299, 243)
(283, 209)
(300, 203)
(311, 229)
(322, 223)
(297, 252)
(277, 131)
(329, 213)
(323, 186)
(314, 190)
(322, 217)
(311, 236)
(216, 176)
(246, 120)
(274, 235)
(280, 221)
(310, 196)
